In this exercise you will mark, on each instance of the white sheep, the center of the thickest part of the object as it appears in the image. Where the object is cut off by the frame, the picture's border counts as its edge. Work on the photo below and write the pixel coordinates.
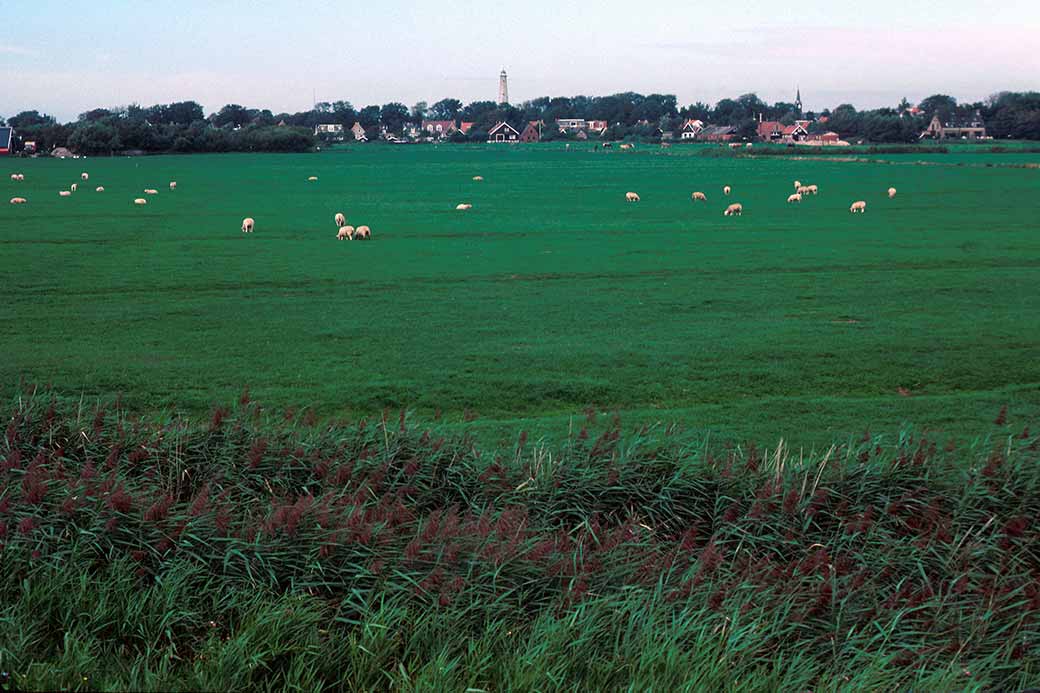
(72, 187)
(797, 197)
(84, 176)
(699, 196)
(363, 233)
(64, 193)
(341, 220)
(463, 206)
(99, 188)
(345, 233)
(247, 225)
(312, 178)
(151, 191)
(173, 185)
(478, 178)
(631, 197)
(735, 209)
(813, 189)
(797, 184)
(140, 201)
(858, 206)
(891, 193)
(18, 200)
(726, 190)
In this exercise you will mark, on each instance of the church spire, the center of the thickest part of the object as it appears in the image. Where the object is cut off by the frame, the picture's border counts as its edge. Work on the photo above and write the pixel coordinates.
(798, 100)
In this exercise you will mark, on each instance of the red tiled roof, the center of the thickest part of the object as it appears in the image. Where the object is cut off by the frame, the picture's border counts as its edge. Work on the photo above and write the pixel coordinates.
(768, 127)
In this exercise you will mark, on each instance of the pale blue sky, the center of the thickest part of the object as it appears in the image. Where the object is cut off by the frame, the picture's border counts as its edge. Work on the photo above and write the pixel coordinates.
(65, 57)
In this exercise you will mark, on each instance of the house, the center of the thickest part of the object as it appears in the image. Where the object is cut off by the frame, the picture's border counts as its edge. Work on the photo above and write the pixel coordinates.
(533, 131)
(690, 129)
(503, 132)
(597, 127)
(968, 129)
(439, 128)
(335, 130)
(718, 133)
(464, 128)
(30, 146)
(359, 132)
(571, 124)
(6, 140)
(770, 130)
(794, 133)
(829, 138)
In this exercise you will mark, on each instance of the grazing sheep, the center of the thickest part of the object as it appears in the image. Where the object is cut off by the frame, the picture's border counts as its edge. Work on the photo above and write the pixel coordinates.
(797, 184)
(247, 225)
(627, 146)
(363, 233)
(64, 193)
(84, 176)
(726, 190)
(72, 187)
(140, 201)
(341, 220)
(173, 185)
(631, 197)
(345, 233)
(99, 188)
(151, 191)
(859, 206)
(813, 189)
(797, 197)
(18, 200)
(735, 209)
(463, 205)
(699, 196)
(891, 193)
(14, 176)
(313, 178)
(478, 178)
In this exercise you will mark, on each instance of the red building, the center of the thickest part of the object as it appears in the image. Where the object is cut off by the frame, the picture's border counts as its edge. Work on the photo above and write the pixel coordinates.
(533, 132)
(6, 140)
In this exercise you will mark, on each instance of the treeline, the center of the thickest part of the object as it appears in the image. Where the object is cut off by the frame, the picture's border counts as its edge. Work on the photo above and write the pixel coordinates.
(184, 127)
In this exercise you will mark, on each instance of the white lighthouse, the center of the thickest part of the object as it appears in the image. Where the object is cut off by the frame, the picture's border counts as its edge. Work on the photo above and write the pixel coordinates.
(503, 89)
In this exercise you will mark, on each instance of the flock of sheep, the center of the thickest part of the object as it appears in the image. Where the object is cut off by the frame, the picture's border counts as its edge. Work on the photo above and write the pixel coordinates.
(736, 209)
(20, 177)
(350, 233)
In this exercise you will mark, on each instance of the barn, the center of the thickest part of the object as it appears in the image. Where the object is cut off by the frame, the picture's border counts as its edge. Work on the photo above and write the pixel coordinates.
(6, 140)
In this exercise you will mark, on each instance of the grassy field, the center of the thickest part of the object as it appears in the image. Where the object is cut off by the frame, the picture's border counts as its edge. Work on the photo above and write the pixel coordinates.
(550, 296)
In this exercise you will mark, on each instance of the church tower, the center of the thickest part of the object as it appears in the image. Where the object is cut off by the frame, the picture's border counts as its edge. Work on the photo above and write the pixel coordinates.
(797, 100)
(503, 89)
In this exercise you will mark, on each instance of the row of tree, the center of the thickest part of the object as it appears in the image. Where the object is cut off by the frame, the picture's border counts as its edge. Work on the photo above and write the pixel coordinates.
(183, 126)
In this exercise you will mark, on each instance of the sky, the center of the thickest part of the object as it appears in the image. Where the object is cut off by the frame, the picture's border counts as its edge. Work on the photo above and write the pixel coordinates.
(66, 57)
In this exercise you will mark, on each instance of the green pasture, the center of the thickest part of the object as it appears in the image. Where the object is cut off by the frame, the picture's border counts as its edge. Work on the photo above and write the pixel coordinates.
(550, 296)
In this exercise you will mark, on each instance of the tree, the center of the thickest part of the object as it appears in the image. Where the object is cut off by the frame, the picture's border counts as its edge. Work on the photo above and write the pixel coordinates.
(231, 114)
(445, 109)
(343, 113)
(30, 118)
(369, 117)
(393, 115)
(419, 111)
(95, 115)
(94, 138)
(697, 111)
(939, 104)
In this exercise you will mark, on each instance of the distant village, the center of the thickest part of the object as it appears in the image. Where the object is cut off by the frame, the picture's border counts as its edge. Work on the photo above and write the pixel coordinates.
(802, 131)
(742, 121)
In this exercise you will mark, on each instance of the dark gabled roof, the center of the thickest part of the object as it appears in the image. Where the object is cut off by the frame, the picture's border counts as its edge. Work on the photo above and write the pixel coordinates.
(710, 130)
(500, 126)
(6, 135)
